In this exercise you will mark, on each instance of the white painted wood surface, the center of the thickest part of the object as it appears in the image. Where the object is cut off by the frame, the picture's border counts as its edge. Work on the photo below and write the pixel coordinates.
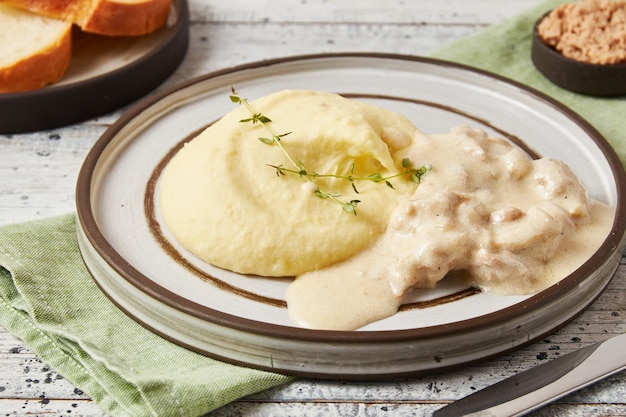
(38, 173)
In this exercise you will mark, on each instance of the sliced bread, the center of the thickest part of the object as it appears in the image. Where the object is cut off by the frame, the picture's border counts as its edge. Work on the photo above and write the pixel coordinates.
(36, 50)
(104, 17)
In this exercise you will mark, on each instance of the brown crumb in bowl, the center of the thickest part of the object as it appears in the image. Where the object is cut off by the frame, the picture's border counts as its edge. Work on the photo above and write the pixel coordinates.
(592, 31)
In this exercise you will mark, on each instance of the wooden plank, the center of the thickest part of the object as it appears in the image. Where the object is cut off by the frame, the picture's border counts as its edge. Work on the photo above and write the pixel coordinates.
(44, 406)
(23, 375)
(363, 11)
(59, 407)
(396, 409)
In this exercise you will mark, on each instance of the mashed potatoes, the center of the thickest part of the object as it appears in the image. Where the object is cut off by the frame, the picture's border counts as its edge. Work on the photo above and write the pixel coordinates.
(223, 202)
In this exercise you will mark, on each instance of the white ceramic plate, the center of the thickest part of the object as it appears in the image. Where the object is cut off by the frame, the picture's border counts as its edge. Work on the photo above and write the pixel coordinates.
(243, 319)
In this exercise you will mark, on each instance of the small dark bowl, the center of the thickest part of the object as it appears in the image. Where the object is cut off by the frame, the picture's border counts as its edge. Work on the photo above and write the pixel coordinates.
(579, 77)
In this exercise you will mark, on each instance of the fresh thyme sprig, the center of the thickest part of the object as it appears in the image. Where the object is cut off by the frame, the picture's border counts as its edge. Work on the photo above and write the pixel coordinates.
(300, 169)
(415, 174)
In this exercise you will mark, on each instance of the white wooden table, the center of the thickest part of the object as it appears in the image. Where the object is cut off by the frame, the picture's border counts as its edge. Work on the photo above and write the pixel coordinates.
(38, 173)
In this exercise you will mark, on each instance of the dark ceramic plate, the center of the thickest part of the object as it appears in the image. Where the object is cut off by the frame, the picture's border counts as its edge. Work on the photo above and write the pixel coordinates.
(104, 75)
(577, 76)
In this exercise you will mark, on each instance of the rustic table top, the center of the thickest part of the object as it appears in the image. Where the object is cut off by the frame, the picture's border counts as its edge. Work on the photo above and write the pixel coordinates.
(38, 173)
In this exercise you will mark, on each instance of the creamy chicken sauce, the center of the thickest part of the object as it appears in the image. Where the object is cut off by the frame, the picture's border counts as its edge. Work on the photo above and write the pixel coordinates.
(484, 208)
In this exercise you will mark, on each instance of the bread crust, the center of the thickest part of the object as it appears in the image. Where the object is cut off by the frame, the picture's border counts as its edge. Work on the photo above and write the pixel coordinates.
(36, 71)
(127, 19)
(52, 8)
(104, 17)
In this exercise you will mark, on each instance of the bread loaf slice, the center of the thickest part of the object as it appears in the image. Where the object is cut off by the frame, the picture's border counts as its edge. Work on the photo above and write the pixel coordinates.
(104, 17)
(35, 50)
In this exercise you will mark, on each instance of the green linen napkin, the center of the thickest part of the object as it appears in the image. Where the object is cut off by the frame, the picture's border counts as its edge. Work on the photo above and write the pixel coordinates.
(48, 299)
(505, 49)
